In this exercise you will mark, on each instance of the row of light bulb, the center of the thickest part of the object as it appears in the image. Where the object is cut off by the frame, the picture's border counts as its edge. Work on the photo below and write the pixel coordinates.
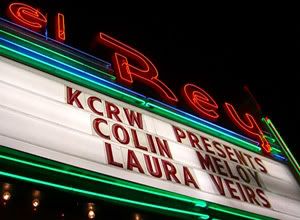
(6, 196)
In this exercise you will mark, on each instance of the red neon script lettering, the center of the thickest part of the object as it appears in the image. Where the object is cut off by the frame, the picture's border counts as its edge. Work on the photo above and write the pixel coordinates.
(250, 126)
(27, 16)
(126, 72)
(200, 101)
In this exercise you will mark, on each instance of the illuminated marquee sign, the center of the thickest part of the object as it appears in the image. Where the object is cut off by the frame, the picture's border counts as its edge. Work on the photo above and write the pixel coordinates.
(145, 72)
(87, 129)
(81, 127)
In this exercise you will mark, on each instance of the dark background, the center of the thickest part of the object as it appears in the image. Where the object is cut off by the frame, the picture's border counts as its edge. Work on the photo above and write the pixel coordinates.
(219, 48)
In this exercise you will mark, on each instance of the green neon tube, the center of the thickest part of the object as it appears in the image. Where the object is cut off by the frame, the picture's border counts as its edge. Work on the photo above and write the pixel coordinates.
(103, 196)
(275, 150)
(242, 214)
(270, 139)
(196, 202)
(284, 146)
(34, 45)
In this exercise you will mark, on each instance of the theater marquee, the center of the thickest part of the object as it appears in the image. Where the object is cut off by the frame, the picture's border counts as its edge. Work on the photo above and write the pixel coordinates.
(53, 118)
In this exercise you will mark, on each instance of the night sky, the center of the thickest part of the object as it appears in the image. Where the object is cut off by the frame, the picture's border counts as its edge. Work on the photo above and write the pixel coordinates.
(220, 49)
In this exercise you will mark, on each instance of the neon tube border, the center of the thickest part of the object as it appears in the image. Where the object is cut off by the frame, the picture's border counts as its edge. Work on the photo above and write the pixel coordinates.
(150, 104)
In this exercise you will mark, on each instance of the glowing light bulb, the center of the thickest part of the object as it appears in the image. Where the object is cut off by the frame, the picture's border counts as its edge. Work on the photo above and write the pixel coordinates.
(137, 217)
(91, 214)
(6, 196)
(35, 203)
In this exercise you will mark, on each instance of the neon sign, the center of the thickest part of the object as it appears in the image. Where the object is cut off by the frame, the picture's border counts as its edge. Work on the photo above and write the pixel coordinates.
(127, 72)
(197, 98)
(35, 20)
(251, 128)
(60, 34)
(28, 16)
(131, 65)
(201, 101)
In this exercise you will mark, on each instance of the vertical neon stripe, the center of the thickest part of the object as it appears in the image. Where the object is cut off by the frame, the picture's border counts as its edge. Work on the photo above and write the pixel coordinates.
(60, 28)
(285, 148)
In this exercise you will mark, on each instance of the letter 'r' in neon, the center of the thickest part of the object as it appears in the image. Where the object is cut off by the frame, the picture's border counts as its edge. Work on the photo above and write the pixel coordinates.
(127, 72)
(250, 127)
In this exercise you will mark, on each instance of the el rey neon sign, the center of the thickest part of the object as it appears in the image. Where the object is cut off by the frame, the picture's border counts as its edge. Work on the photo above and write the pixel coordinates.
(143, 71)
(196, 97)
